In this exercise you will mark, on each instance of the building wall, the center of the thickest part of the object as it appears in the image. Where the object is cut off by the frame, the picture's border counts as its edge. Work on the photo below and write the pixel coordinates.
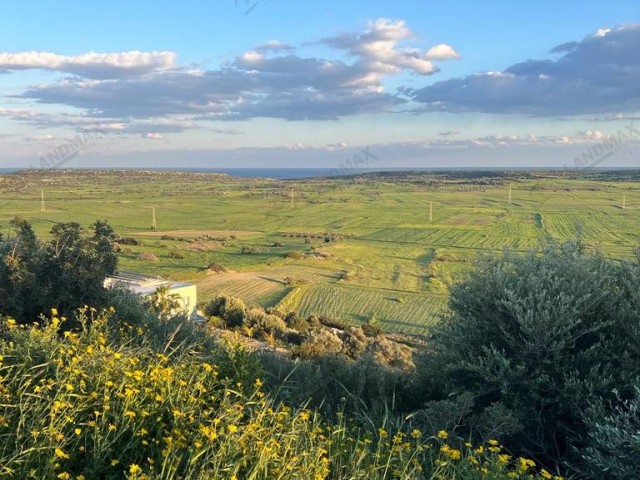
(188, 297)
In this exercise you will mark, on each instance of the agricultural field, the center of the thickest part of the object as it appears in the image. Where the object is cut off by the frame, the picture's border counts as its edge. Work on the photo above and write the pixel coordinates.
(381, 246)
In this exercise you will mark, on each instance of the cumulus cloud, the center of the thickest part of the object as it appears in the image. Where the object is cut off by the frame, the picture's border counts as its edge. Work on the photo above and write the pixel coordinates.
(90, 65)
(379, 53)
(597, 75)
(269, 81)
(442, 51)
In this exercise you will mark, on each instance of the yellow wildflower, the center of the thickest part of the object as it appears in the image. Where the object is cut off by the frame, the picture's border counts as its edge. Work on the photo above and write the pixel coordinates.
(60, 454)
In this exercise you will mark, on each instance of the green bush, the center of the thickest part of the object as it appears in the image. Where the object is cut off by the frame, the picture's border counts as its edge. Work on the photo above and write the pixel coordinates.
(613, 447)
(543, 335)
(264, 324)
(231, 309)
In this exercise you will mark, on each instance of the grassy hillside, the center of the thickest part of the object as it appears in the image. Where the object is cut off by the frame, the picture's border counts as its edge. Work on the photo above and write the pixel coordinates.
(387, 246)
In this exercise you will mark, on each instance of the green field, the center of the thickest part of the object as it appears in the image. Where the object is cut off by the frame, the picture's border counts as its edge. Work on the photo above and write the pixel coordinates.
(386, 259)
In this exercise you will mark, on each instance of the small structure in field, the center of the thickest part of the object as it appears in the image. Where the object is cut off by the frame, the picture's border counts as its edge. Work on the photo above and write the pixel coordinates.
(145, 285)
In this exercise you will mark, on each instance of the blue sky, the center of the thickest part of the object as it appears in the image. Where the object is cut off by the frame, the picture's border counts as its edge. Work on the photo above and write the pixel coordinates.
(280, 83)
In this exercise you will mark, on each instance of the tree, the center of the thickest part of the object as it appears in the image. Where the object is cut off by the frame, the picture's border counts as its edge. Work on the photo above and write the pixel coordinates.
(164, 303)
(22, 257)
(64, 273)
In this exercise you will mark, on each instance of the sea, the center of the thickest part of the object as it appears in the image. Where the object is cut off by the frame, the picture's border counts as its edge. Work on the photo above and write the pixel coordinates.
(294, 173)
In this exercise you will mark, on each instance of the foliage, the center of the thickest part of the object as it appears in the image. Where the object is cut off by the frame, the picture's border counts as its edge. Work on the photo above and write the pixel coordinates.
(613, 446)
(231, 309)
(66, 272)
(104, 402)
(543, 335)
(164, 303)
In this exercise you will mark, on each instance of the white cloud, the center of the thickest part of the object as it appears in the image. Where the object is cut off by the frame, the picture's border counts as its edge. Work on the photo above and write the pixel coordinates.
(91, 64)
(152, 135)
(442, 51)
(598, 75)
(378, 50)
(268, 81)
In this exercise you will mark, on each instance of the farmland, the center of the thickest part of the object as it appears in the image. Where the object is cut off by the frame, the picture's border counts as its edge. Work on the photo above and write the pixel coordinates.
(353, 248)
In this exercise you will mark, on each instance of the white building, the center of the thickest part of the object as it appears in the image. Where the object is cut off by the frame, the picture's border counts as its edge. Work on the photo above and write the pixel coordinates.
(145, 285)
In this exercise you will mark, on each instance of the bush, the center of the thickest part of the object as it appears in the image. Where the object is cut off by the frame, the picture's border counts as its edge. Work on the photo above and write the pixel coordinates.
(216, 267)
(392, 354)
(231, 309)
(320, 342)
(263, 323)
(148, 256)
(544, 335)
(613, 446)
(294, 255)
(128, 241)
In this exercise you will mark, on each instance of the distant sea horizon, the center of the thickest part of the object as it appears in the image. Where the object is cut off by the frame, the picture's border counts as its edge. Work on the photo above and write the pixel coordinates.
(286, 173)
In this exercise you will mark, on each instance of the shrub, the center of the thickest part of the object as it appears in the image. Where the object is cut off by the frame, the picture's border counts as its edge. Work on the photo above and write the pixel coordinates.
(128, 241)
(294, 255)
(296, 322)
(354, 342)
(392, 354)
(543, 334)
(263, 323)
(148, 256)
(216, 267)
(613, 447)
(320, 342)
(231, 309)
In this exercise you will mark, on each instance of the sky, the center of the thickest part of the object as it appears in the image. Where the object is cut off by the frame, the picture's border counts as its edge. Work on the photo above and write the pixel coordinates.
(293, 83)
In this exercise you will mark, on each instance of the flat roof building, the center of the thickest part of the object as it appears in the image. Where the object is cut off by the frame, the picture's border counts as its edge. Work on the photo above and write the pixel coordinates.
(145, 285)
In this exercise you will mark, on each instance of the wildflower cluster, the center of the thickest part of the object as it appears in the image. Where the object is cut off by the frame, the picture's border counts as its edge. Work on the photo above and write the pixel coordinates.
(94, 403)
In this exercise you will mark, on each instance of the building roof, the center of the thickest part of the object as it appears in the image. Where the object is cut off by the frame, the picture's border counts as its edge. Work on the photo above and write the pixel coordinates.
(141, 284)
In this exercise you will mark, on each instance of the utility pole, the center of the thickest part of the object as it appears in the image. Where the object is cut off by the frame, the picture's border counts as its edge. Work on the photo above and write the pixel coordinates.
(624, 202)
(42, 205)
(430, 211)
(154, 226)
(510, 197)
(292, 202)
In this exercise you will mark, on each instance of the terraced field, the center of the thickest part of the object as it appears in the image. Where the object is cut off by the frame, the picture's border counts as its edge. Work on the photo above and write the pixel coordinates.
(406, 312)
(350, 248)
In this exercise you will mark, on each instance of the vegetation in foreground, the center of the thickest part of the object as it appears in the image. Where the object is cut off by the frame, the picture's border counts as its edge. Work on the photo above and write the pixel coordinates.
(117, 400)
